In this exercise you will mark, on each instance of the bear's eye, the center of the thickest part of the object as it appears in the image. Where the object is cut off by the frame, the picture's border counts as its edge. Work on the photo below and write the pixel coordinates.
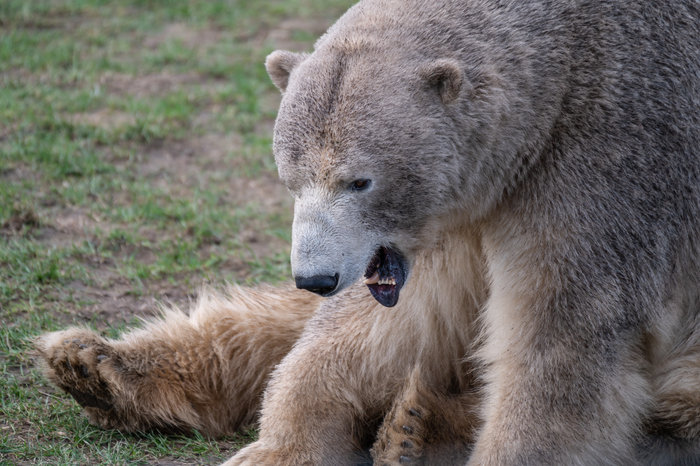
(359, 185)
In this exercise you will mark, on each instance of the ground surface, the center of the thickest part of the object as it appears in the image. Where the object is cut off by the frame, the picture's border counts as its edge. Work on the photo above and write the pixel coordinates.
(135, 166)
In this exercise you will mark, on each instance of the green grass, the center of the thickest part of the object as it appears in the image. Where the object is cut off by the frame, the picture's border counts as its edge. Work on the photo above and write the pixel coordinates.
(135, 162)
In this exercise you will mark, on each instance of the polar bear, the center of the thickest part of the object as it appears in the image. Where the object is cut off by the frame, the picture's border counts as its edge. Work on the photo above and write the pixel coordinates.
(500, 203)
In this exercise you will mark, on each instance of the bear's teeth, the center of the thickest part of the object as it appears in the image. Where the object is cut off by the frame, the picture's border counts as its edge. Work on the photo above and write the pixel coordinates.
(373, 279)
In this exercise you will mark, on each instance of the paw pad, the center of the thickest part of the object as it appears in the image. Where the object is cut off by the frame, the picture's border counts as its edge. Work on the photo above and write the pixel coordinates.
(88, 400)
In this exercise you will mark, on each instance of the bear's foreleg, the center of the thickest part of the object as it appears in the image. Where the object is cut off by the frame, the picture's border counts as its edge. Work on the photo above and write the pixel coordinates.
(566, 376)
(326, 400)
(205, 371)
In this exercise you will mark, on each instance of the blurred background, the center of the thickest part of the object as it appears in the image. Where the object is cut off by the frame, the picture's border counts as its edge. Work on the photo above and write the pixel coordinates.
(135, 166)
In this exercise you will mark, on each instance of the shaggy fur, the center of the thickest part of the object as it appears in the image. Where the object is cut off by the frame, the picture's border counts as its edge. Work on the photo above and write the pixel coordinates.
(534, 166)
(206, 371)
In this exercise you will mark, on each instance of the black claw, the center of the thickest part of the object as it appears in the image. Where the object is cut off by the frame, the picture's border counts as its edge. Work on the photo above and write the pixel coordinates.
(407, 429)
(76, 341)
(404, 459)
(102, 357)
(65, 342)
(413, 412)
(82, 346)
(406, 444)
(84, 371)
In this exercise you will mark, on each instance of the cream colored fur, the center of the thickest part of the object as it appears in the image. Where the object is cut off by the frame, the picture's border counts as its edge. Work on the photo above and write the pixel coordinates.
(205, 371)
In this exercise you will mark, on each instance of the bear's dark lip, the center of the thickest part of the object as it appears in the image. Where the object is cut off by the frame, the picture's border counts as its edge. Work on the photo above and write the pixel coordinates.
(390, 265)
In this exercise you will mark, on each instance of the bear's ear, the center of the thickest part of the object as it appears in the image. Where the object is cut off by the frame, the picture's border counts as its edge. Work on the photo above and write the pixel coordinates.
(446, 76)
(280, 64)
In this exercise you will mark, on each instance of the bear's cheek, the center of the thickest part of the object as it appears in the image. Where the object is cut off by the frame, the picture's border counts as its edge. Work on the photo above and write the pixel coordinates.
(397, 209)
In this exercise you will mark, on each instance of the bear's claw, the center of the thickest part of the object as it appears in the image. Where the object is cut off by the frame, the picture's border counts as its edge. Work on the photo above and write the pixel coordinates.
(401, 437)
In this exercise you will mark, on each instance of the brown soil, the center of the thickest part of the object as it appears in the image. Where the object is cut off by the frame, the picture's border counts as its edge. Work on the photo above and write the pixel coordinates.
(154, 84)
(190, 37)
(282, 37)
(103, 118)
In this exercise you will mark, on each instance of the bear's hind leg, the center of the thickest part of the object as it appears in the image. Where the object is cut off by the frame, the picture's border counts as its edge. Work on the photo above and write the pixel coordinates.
(427, 428)
(206, 371)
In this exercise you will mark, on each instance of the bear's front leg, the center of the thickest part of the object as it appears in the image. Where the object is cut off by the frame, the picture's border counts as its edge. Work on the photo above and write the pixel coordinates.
(326, 400)
(565, 371)
(313, 412)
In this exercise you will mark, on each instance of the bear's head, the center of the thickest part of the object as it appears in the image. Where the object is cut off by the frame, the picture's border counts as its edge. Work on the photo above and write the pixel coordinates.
(384, 144)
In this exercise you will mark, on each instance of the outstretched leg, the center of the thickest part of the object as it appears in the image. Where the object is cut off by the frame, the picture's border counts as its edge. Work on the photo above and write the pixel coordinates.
(428, 427)
(206, 371)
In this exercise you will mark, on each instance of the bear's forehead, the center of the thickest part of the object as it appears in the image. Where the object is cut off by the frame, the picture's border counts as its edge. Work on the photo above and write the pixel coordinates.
(333, 113)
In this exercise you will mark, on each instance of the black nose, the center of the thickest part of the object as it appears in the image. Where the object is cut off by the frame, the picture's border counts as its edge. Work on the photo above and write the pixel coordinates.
(319, 284)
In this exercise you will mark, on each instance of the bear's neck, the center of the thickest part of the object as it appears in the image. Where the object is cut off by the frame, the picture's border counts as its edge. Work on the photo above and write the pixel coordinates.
(448, 286)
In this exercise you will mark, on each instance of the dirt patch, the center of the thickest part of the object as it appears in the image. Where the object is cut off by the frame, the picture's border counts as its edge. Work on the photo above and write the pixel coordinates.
(298, 34)
(74, 221)
(7, 131)
(18, 171)
(104, 118)
(185, 159)
(67, 226)
(154, 84)
(189, 37)
(18, 221)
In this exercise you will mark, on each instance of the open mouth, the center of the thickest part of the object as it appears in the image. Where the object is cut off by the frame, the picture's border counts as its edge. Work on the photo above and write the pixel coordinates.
(385, 276)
